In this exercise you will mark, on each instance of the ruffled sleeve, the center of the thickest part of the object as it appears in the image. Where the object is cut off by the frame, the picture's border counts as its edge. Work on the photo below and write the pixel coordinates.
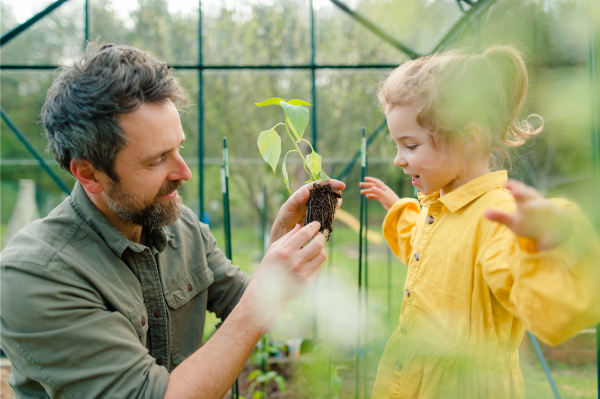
(555, 293)
(398, 226)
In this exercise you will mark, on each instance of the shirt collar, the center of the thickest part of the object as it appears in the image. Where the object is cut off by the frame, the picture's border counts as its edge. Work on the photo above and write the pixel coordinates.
(88, 212)
(468, 192)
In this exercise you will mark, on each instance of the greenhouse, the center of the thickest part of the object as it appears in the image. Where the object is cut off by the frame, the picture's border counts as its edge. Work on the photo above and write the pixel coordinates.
(334, 55)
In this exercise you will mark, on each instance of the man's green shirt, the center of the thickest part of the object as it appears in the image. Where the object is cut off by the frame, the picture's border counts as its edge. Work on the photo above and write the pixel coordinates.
(87, 313)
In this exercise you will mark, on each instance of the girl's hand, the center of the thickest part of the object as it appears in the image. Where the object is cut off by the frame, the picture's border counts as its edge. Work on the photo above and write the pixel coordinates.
(376, 189)
(536, 217)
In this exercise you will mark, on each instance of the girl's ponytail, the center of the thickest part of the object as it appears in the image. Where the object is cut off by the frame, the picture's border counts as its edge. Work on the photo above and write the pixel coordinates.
(509, 65)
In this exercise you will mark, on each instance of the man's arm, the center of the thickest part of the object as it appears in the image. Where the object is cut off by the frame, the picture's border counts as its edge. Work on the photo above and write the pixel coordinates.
(288, 264)
(294, 209)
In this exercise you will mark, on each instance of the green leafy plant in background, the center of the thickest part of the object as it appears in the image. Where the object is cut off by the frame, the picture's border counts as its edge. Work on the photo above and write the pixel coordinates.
(296, 121)
(335, 380)
(263, 376)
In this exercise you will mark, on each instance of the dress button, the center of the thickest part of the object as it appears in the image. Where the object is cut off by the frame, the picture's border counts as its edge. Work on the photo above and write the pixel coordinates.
(407, 292)
(429, 219)
(159, 361)
(157, 314)
(403, 329)
(417, 255)
(398, 365)
(143, 321)
(190, 287)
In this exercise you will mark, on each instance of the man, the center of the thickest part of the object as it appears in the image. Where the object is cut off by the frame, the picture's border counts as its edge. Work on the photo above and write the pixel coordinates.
(106, 296)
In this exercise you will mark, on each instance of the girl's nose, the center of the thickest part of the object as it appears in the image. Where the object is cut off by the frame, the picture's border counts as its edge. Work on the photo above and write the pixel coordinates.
(399, 161)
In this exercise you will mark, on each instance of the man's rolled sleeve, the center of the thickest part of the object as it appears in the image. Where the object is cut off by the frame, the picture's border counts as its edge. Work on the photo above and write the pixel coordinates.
(69, 341)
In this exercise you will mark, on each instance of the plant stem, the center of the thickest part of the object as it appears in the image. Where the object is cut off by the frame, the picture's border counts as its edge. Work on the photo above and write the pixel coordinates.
(312, 176)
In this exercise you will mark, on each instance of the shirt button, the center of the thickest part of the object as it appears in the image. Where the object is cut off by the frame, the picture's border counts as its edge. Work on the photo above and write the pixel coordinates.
(417, 255)
(143, 321)
(159, 361)
(190, 287)
(398, 366)
(407, 292)
(157, 314)
(429, 219)
(403, 329)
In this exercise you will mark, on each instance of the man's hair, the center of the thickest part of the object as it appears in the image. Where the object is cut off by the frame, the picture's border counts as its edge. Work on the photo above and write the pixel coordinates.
(82, 108)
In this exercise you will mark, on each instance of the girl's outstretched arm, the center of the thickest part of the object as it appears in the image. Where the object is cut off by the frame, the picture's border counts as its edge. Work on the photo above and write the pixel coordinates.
(536, 217)
(378, 190)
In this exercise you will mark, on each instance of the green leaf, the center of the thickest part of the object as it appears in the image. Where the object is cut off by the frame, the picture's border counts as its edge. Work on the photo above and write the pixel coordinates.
(270, 101)
(323, 175)
(336, 384)
(314, 163)
(273, 349)
(251, 387)
(270, 375)
(298, 102)
(253, 374)
(269, 145)
(257, 395)
(280, 383)
(297, 117)
(285, 177)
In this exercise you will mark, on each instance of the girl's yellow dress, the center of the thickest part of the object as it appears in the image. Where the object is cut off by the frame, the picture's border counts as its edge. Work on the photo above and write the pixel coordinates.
(473, 287)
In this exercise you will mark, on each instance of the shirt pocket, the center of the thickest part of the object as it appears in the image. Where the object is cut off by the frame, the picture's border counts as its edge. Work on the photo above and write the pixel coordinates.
(181, 292)
(139, 320)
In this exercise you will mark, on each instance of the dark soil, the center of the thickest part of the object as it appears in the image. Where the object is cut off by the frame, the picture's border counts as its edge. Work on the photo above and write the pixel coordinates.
(321, 207)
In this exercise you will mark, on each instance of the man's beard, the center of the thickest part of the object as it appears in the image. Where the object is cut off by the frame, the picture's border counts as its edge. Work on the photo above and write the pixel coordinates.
(151, 215)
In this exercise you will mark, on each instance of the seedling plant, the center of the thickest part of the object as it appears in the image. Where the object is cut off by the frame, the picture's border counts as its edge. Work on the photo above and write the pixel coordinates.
(323, 198)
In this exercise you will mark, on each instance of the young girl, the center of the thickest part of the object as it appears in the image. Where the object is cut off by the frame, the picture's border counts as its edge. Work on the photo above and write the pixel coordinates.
(486, 257)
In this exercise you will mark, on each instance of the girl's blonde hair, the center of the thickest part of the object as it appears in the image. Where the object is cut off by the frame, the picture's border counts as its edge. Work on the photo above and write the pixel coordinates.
(453, 89)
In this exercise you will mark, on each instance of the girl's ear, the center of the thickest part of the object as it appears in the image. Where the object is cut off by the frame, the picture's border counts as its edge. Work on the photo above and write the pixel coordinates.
(87, 175)
(473, 136)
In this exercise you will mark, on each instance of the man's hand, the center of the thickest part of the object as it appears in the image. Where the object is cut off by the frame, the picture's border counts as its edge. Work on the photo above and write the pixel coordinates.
(536, 217)
(378, 190)
(289, 268)
(292, 212)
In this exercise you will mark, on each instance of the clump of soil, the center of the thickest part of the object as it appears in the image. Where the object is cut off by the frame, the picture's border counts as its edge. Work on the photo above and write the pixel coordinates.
(321, 207)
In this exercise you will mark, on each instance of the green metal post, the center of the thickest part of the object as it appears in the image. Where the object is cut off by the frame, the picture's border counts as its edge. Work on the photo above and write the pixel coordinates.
(375, 29)
(21, 28)
(363, 151)
(372, 137)
(87, 24)
(200, 119)
(366, 255)
(227, 228)
(593, 60)
(313, 72)
(538, 351)
(23, 138)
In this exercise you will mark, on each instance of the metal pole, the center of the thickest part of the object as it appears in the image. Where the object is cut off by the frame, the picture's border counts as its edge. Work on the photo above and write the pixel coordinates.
(19, 29)
(200, 119)
(23, 138)
(366, 251)
(376, 30)
(593, 54)
(227, 227)
(87, 24)
(538, 351)
(363, 150)
(358, 153)
(313, 72)
(329, 281)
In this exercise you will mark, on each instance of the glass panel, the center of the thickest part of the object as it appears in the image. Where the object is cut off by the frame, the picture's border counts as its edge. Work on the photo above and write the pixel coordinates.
(420, 25)
(14, 13)
(262, 32)
(168, 30)
(57, 39)
(342, 40)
